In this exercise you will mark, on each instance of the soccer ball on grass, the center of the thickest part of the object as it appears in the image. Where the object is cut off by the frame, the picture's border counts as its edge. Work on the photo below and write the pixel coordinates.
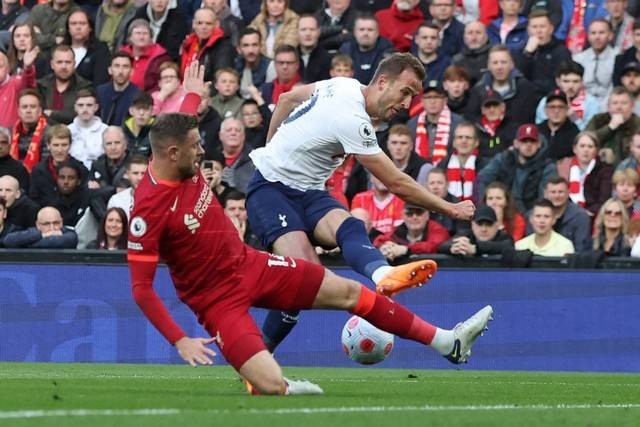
(364, 343)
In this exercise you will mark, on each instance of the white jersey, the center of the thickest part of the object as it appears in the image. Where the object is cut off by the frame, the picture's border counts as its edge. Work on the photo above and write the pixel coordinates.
(314, 140)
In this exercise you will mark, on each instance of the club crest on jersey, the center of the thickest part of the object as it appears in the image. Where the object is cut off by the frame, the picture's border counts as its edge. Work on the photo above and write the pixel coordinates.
(138, 226)
(283, 220)
(367, 134)
(191, 222)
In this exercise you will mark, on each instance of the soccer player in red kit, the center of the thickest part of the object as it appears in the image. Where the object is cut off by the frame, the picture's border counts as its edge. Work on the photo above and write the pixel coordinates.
(177, 218)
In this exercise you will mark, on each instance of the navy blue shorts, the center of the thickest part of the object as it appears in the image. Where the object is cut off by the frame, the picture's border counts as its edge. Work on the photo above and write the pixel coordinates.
(275, 209)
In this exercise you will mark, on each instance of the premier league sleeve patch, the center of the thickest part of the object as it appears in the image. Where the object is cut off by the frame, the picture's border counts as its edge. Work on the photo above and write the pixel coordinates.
(367, 134)
(138, 226)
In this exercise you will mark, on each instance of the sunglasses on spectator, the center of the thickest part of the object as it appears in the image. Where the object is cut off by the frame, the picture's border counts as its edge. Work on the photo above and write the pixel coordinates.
(413, 212)
(4, 141)
(613, 213)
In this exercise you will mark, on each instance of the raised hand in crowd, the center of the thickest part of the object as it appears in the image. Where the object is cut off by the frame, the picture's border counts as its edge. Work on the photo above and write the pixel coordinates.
(30, 56)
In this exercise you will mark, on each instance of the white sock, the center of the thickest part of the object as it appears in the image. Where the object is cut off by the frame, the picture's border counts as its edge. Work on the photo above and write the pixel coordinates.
(380, 272)
(443, 341)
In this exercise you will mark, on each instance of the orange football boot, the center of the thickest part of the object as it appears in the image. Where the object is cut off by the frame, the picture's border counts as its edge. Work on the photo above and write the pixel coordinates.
(411, 275)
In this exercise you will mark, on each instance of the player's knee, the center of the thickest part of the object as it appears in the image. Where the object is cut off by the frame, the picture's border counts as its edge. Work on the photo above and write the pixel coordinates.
(352, 296)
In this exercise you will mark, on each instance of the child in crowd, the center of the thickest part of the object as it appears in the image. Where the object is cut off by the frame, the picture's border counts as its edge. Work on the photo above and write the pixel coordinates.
(227, 102)
(137, 126)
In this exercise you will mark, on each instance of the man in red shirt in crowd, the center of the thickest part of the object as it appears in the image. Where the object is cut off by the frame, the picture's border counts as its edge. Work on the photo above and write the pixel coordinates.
(177, 218)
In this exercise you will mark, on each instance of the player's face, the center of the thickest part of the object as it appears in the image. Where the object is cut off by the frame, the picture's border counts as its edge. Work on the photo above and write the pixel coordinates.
(557, 194)
(189, 154)
(397, 94)
(585, 149)
(542, 220)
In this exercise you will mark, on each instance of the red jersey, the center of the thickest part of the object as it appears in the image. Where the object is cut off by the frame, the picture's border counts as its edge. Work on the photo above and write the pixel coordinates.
(182, 223)
(385, 215)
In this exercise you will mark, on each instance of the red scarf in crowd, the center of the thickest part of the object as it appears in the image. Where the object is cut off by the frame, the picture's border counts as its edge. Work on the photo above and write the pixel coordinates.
(577, 104)
(490, 126)
(577, 36)
(441, 143)
(191, 49)
(33, 153)
(576, 181)
(461, 177)
(280, 88)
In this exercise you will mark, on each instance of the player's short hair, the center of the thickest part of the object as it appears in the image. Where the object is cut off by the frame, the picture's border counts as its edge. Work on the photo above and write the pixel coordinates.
(170, 128)
(402, 130)
(542, 203)
(625, 175)
(234, 195)
(142, 100)
(569, 67)
(137, 159)
(392, 66)
(589, 134)
(456, 72)
(341, 59)
(556, 180)
(58, 131)
(86, 93)
(227, 70)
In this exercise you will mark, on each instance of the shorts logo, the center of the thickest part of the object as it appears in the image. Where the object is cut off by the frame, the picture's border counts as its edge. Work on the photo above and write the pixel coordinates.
(138, 226)
(367, 134)
(283, 220)
(191, 222)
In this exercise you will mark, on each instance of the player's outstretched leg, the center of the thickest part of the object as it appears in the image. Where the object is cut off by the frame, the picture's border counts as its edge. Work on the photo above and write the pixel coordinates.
(390, 316)
(263, 376)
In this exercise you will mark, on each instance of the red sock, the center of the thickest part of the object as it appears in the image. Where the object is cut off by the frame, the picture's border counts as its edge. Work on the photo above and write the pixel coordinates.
(386, 314)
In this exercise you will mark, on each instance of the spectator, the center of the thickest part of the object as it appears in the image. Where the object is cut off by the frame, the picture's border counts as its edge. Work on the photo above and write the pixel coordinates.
(227, 102)
(456, 82)
(432, 128)
(29, 130)
(598, 60)
(50, 19)
(496, 129)
(315, 61)
(136, 168)
(610, 229)
(236, 211)
(113, 232)
(625, 185)
(44, 188)
(256, 120)
(10, 86)
(583, 106)
(168, 98)
(418, 234)
(544, 241)
(109, 169)
(59, 89)
(400, 22)
(168, 23)
(498, 197)
(630, 55)
(12, 13)
(633, 161)
(212, 172)
(621, 24)
(511, 28)
(115, 96)
(341, 66)
(86, 128)
(349, 179)
(383, 207)
(137, 126)
(400, 147)
(9, 165)
(209, 126)
(475, 53)
(73, 198)
(336, 24)
(452, 30)
(208, 44)
(631, 82)
(616, 127)
(525, 170)
(22, 40)
(92, 56)
(483, 11)
(232, 25)
(572, 221)
(239, 167)
(147, 56)
(366, 48)
(427, 40)
(287, 65)
(49, 233)
(583, 13)
(21, 211)
(252, 65)
(277, 25)
(542, 54)
(518, 93)
(484, 238)
(5, 227)
(436, 182)
(462, 164)
(111, 22)
(557, 128)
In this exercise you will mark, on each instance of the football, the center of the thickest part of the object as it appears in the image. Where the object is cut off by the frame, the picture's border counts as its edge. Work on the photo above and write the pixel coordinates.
(364, 343)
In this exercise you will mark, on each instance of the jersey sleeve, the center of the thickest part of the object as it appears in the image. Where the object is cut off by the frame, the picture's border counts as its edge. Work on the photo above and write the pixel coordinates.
(353, 126)
(147, 225)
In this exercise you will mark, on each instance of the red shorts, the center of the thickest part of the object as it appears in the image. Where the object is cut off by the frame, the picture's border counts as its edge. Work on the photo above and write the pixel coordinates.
(269, 281)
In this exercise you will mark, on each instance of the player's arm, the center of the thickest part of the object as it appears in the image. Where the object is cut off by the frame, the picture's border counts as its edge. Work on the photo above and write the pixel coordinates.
(405, 187)
(286, 104)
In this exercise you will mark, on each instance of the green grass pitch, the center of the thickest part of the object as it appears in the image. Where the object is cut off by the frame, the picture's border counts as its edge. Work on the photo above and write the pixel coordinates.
(97, 395)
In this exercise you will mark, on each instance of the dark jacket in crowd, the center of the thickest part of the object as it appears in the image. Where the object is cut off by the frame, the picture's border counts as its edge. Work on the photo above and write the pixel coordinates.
(474, 61)
(7, 229)
(317, 67)
(597, 186)
(240, 172)
(18, 14)
(209, 127)
(501, 241)
(108, 174)
(139, 144)
(540, 67)
(219, 54)
(454, 226)
(489, 145)
(516, 38)
(617, 140)
(365, 63)
(620, 246)
(575, 225)
(172, 32)
(47, 86)
(433, 235)
(452, 39)
(435, 70)
(114, 106)
(23, 212)
(560, 142)
(73, 206)
(333, 34)
(95, 64)
(623, 59)
(259, 75)
(44, 186)
(15, 168)
(461, 106)
(32, 238)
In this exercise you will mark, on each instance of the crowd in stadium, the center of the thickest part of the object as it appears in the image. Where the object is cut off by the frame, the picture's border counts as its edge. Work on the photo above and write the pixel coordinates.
(529, 108)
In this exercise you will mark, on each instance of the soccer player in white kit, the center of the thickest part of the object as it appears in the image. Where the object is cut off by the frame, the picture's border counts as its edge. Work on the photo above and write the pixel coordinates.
(313, 128)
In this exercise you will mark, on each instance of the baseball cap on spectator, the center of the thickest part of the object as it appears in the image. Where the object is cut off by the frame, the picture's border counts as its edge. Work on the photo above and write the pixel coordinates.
(434, 86)
(527, 132)
(409, 208)
(491, 97)
(485, 214)
(631, 66)
(557, 94)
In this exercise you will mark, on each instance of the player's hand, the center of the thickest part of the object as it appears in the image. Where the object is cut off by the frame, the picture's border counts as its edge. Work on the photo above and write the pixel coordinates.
(463, 210)
(194, 352)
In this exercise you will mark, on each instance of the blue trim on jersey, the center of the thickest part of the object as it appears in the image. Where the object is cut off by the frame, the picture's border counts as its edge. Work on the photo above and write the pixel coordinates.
(297, 114)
